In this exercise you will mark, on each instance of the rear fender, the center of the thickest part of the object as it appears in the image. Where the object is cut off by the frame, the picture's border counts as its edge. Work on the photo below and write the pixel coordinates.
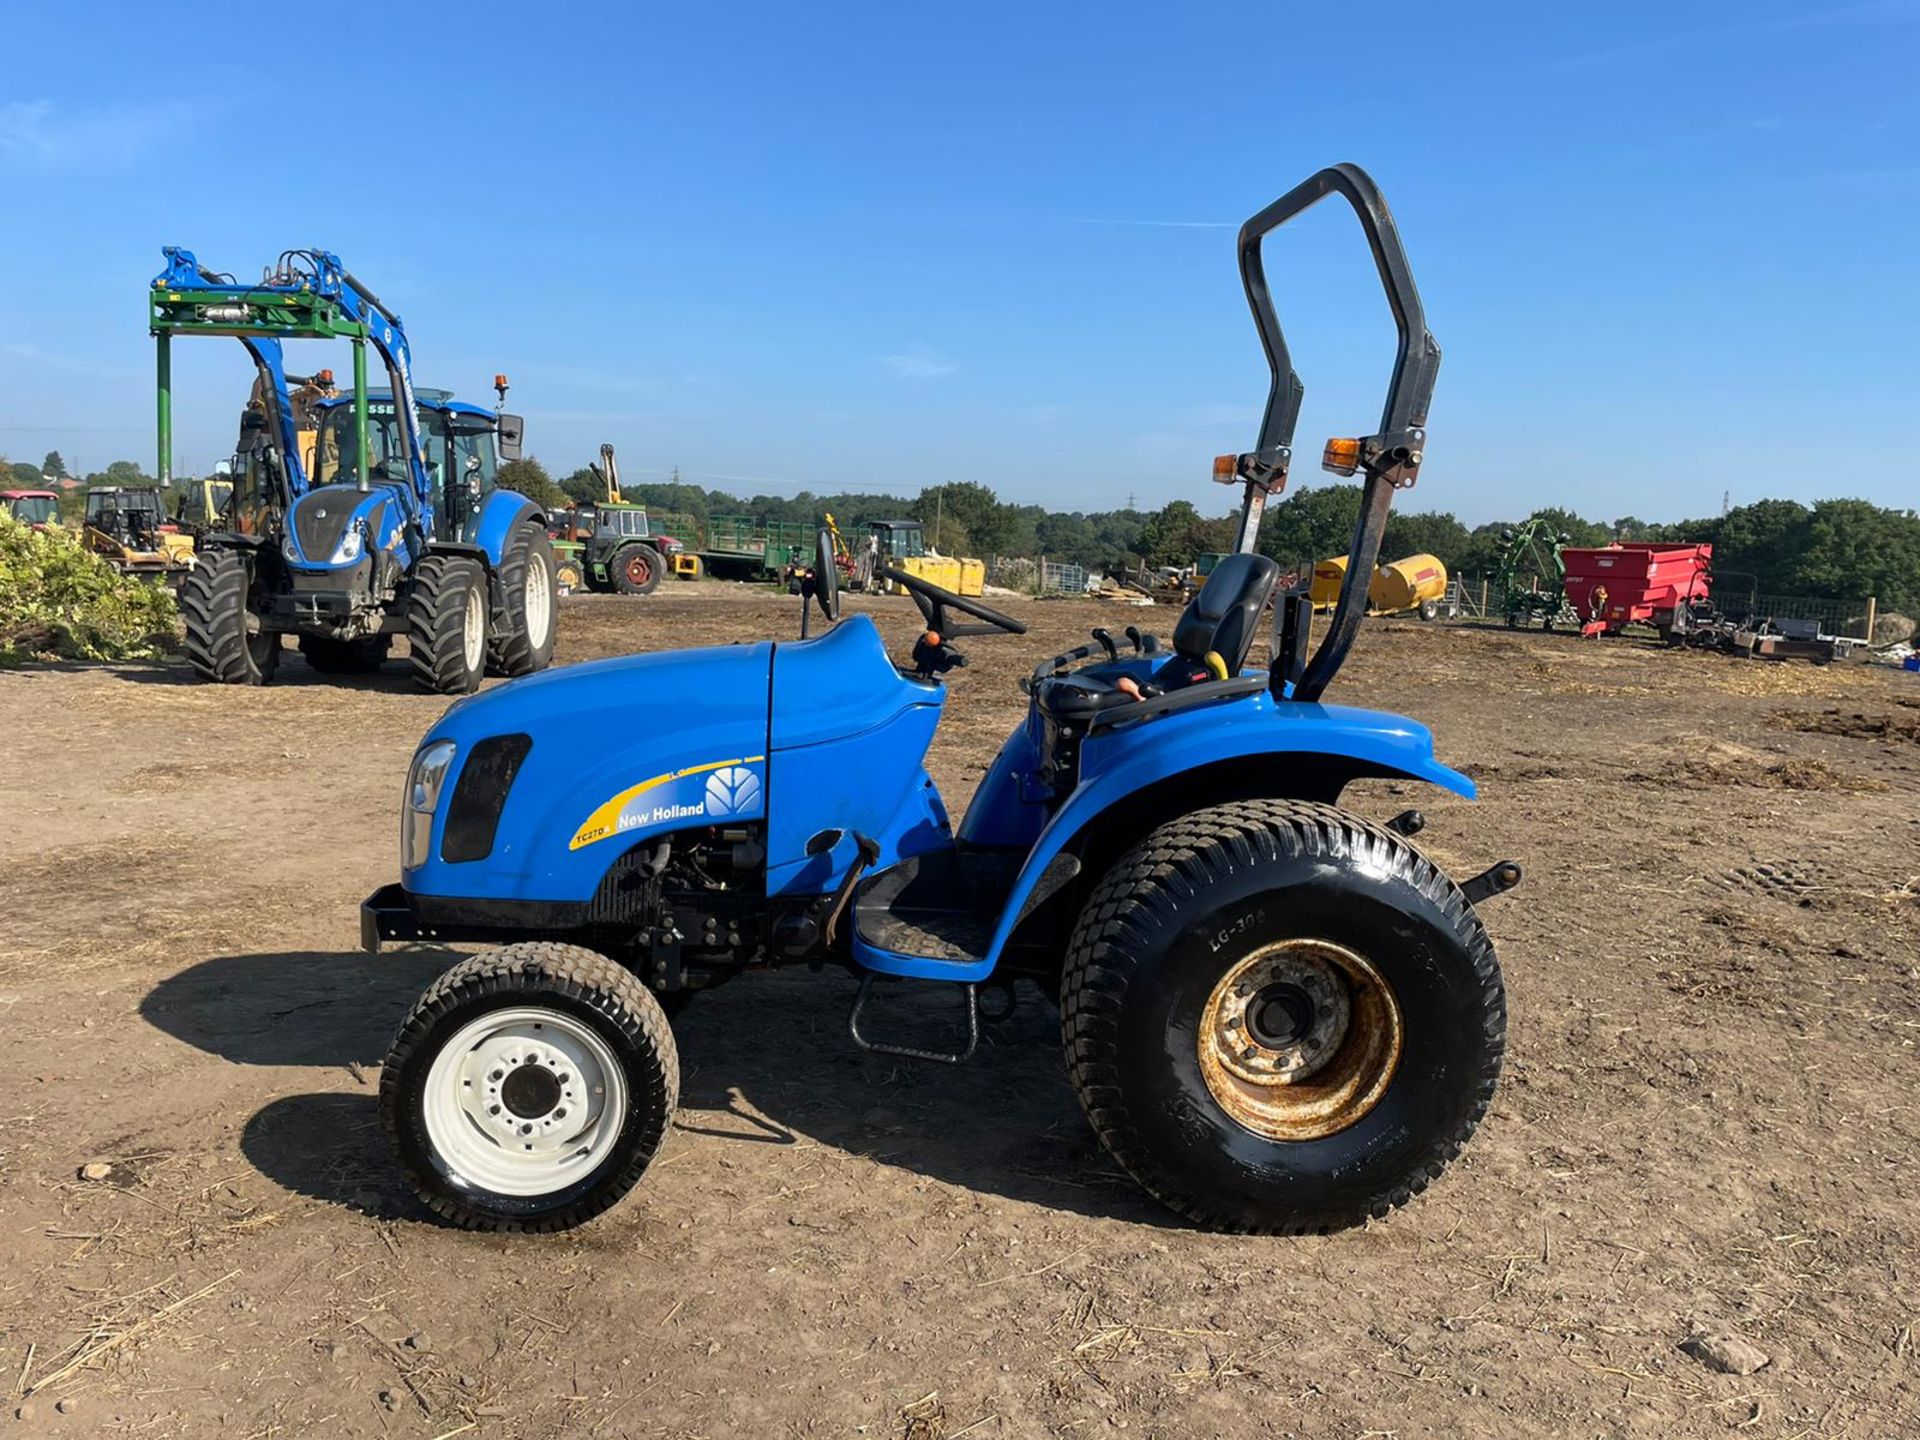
(1133, 778)
(499, 514)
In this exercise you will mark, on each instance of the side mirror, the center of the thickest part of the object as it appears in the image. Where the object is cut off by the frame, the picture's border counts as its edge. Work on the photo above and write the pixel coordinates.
(512, 430)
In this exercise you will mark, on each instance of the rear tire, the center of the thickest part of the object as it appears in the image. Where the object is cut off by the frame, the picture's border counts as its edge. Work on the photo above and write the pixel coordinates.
(1387, 1046)
(529, 1088)
(635, 570)
(568, 575)
(345, 657)
(447, 624)
(531, 597)
(225, 643)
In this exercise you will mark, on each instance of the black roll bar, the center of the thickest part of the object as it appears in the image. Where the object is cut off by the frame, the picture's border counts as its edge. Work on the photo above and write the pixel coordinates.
(1390, 458)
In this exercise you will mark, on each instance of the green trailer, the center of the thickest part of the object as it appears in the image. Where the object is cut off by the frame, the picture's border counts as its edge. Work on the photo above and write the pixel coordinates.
(739, 547)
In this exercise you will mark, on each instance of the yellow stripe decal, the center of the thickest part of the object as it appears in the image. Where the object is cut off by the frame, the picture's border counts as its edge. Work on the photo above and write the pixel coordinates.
(606, 820)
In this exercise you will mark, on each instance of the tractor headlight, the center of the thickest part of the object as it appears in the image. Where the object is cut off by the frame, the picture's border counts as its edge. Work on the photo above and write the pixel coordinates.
(290, 550)
(349, 548)
(426, 779)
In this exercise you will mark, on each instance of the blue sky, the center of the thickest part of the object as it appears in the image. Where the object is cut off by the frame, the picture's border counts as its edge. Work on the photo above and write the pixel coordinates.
(1668, 250)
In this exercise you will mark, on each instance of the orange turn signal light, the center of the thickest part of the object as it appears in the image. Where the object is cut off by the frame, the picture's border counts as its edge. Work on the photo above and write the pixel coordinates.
(1226, 468)
(1342, 456)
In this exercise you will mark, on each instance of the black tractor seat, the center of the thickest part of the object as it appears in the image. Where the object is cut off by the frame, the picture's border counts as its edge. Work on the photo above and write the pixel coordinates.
(1221, 620)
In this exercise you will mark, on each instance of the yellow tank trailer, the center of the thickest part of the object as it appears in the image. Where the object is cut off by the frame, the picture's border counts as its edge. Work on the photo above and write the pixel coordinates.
(1418, 583)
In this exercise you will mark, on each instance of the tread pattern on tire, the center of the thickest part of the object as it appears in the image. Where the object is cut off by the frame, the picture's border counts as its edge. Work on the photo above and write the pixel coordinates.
(583, 975)
(1178, 861)
(213, 605)
(510, 650)
(436, 622)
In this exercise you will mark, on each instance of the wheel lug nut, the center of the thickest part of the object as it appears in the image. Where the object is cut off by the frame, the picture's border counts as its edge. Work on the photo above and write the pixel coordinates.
(1250, 1053)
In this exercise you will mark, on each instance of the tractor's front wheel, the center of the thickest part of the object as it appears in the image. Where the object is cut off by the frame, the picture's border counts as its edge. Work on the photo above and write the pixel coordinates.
(226, 642)
(529, 1088)
(447, 624)
(530, 591)
(635, 570)
(1280, 1018)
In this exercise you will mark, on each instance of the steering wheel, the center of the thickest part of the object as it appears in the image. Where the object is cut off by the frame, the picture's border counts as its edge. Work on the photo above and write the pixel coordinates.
(934, 600)
(826, 575)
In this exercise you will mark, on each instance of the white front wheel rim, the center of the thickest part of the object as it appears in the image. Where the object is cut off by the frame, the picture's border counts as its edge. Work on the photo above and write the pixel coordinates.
(524, 1102)
(539, 600)
(473, 631)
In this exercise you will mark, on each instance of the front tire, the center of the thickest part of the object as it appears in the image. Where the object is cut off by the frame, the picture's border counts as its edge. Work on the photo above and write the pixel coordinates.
(530, 1088)
(635, 570)
(531, 595)
(447, 624)
(226, 642)
(1280, 1018)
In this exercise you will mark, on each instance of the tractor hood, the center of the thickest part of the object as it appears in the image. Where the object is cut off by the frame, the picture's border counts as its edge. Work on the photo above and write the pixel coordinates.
(614, 750)
(336, 524)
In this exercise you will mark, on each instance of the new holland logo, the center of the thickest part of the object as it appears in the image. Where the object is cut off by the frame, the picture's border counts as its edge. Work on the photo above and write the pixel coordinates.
(732, 790)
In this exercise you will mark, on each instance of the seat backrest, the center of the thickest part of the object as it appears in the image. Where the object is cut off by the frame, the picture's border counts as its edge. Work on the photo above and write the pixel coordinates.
(1225, 615)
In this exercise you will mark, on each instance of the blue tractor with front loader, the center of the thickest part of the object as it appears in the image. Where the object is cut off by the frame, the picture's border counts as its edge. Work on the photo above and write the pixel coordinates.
(394, 526)
(1278, 1016)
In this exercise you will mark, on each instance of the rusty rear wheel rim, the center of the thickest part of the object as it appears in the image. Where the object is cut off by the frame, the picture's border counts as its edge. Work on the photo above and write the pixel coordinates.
(638, 570)
(1300, 1039)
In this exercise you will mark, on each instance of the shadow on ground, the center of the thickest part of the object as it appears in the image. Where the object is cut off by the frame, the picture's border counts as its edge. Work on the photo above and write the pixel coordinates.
(763, 1061)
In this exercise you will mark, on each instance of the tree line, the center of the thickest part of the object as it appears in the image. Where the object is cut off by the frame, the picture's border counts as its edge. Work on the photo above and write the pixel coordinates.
(1847, 549)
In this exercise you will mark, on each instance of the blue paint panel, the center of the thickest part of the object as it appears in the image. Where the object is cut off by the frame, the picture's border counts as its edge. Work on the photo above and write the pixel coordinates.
(839, 684)
(501, 511)
(1117, 763)
(599, 730)
(849, 735)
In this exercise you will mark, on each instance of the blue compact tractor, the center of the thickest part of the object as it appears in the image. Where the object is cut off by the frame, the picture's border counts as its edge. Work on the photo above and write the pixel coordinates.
(1277, 1015)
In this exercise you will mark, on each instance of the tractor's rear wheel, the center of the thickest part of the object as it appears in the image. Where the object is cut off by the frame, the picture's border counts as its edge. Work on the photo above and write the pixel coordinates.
(345, 657)
(635, 570)
(530, 593)
(1280, 1018)
(226, 642)
(529, 1088)
(568, 574)
(447, 624)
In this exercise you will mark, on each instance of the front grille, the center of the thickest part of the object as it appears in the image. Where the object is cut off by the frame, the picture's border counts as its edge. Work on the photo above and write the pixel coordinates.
(319, 520)
(473, 815)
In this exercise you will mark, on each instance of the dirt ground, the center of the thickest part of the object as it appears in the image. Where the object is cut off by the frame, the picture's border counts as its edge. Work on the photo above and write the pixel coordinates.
(1708, 1116)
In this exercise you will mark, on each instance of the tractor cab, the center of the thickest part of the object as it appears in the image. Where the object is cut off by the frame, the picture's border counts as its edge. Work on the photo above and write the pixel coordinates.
(36, 509)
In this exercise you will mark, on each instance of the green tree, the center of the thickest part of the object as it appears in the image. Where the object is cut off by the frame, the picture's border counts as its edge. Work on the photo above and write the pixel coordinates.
(1312, 524)
(53, 465)
(1427, 532)
(528, 477)
(24, 476)
(584, 486)
(1855, 548)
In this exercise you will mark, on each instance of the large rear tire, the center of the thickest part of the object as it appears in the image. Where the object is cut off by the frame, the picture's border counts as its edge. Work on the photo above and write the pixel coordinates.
(345, 657)
(530, 1088)
(225, 641)
(531, 596)
(447, 624)
(1280, 1018)
(635, 570)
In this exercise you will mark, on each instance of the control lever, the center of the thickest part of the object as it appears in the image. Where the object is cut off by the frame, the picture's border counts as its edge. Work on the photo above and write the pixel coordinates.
(1106, 642)
(869, 852)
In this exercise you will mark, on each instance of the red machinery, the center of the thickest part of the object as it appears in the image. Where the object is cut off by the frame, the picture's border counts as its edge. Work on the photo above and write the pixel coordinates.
(1618, 584)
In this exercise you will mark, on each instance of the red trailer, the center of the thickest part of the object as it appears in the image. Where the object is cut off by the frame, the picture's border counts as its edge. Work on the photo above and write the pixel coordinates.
(1618, 584)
